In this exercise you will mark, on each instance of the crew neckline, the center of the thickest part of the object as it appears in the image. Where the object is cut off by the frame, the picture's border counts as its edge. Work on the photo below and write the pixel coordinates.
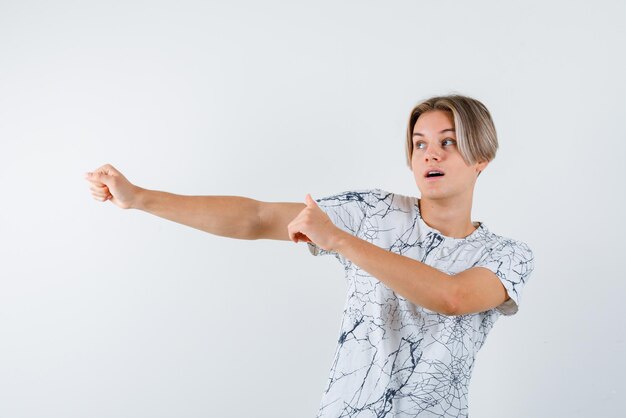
(476, 232)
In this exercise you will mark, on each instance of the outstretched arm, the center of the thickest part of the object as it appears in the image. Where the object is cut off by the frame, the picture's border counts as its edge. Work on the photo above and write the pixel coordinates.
(228, 216)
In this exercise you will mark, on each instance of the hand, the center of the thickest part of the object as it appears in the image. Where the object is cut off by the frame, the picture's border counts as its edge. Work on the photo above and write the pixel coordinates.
(109, 184)
(313, 225)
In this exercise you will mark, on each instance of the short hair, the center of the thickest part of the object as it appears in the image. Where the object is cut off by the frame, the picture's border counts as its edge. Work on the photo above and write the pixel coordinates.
(475, 132)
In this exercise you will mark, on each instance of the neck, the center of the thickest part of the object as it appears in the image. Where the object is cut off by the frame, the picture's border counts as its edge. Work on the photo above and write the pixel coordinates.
(451, 217)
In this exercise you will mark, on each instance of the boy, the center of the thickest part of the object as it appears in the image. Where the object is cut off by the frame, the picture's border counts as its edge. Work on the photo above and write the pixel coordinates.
(425, 283)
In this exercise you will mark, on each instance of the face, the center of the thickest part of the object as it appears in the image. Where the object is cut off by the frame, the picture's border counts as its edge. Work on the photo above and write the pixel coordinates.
(435, 147)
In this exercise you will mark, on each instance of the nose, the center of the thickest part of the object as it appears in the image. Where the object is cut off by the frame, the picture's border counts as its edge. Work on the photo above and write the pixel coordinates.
(432, 154)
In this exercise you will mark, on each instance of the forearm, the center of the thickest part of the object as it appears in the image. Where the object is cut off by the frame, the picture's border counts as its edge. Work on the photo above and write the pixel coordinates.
(227, 216)
(415, 281)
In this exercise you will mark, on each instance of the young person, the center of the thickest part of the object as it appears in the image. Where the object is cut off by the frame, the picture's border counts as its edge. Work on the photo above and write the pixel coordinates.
(425, 283)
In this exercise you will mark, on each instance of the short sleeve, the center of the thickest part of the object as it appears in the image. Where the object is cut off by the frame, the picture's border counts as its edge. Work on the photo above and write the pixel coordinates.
(513, 262)
(346, 210)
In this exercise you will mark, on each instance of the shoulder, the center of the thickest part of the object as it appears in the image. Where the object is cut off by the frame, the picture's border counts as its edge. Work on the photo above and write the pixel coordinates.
(354, 195)
(364, 196)
(388, 198)
(499, 247)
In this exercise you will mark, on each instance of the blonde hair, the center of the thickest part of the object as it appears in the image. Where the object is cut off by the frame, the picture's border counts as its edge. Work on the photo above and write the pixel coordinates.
(475, 132)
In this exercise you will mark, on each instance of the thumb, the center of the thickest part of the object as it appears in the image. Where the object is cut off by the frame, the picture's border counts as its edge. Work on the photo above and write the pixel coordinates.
(310, 201)
(99, 177)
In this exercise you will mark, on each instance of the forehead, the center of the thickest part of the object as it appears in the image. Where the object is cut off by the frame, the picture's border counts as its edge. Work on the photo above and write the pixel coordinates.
(434, 121)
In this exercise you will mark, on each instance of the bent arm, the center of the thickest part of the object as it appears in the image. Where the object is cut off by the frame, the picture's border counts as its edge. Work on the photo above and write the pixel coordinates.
(471, 291)
(227, 216)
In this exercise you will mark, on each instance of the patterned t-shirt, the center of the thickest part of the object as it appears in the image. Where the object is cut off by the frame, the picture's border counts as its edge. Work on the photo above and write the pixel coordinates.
(393, 357)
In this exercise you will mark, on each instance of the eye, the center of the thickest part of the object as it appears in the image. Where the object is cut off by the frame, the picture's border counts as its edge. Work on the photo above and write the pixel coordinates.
(418, 144)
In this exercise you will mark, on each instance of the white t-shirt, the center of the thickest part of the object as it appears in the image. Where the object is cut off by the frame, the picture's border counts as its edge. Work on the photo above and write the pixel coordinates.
(395, 358)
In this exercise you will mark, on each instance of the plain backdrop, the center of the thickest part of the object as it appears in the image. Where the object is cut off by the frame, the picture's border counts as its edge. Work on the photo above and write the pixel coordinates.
(107, 312)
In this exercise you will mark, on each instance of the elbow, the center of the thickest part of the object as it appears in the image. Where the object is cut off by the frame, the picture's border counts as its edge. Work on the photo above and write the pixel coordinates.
(450, 309)
(451, 301)
(255, 224)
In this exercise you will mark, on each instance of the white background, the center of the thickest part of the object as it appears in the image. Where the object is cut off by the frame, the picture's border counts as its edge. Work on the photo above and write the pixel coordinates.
(113, 313)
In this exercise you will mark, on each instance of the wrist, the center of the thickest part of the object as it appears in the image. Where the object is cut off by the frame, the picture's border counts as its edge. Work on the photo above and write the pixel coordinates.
(341, 240)
(140, 199)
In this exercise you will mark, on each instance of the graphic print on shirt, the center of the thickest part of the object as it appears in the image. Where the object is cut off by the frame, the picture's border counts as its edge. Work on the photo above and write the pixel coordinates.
(395, 358)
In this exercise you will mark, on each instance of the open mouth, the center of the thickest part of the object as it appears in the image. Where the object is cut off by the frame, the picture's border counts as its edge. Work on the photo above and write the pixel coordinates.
(433, 174)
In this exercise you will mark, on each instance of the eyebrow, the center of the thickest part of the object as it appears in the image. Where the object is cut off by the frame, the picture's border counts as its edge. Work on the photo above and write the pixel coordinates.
(445, 130)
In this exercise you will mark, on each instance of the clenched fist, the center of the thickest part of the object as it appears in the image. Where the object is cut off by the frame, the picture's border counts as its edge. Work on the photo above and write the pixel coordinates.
(106, 183)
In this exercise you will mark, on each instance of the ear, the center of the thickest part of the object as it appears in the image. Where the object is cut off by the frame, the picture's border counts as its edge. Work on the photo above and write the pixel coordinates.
(480, 167)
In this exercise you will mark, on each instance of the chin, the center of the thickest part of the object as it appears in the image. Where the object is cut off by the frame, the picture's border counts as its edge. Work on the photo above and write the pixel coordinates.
(433, 194)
